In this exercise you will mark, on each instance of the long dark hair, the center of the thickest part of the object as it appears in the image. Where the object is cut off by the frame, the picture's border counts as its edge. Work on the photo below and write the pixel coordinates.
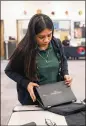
(27, 46)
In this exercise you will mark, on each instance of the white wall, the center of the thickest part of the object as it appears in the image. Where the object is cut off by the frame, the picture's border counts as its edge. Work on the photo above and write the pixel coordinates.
(13, 10)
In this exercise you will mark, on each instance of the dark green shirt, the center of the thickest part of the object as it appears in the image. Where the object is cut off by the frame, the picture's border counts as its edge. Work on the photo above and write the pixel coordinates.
(47, 65)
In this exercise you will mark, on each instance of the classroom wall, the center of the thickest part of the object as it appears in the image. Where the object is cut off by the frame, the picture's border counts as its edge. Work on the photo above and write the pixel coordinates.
(14, 10)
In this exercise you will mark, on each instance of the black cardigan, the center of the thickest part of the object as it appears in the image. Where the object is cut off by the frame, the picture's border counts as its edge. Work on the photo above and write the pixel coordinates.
(16, 72)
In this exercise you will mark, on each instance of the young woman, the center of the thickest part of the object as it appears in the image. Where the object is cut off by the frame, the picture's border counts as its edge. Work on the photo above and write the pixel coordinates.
(38, 59)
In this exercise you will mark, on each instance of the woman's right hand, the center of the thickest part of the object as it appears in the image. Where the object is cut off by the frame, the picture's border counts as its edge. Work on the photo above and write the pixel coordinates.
(30, 87)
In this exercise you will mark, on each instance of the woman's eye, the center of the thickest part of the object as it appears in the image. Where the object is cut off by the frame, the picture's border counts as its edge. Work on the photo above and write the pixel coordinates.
(41, 37)
(49, 35)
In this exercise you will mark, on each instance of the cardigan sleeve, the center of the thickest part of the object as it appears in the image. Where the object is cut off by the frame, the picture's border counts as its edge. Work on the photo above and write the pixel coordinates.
(15, 71)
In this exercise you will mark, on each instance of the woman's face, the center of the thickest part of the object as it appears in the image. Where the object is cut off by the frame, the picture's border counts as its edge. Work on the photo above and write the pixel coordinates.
(43, 38)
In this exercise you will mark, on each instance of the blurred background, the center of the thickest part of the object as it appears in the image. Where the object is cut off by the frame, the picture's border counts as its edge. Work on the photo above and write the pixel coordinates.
(69, 26)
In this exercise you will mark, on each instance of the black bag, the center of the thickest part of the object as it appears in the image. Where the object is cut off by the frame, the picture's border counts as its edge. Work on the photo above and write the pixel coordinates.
(68, 109)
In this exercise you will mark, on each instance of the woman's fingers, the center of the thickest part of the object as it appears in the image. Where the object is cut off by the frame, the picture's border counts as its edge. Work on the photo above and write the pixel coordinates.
(35, 85)
(30, 87)
(68, 80)
(32, 95)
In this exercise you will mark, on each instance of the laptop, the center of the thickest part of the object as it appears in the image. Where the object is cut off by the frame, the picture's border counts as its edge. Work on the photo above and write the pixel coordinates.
(54, 94)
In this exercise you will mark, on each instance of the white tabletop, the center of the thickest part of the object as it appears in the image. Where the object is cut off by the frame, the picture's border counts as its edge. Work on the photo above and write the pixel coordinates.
(21, 118)
(26, 107)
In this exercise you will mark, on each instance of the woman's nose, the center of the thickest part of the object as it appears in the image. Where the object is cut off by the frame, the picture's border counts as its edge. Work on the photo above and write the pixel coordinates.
(46, 39)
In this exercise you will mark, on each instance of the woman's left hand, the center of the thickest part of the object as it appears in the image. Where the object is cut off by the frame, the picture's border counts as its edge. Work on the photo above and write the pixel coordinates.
(68, 79)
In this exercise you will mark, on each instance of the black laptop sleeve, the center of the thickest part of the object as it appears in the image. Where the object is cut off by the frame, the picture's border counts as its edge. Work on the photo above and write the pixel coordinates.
(76, 119)
(68, 109)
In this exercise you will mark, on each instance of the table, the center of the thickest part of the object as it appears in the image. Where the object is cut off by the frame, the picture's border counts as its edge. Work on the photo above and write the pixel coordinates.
(29, 113)
(79, 51)
(38, 116)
